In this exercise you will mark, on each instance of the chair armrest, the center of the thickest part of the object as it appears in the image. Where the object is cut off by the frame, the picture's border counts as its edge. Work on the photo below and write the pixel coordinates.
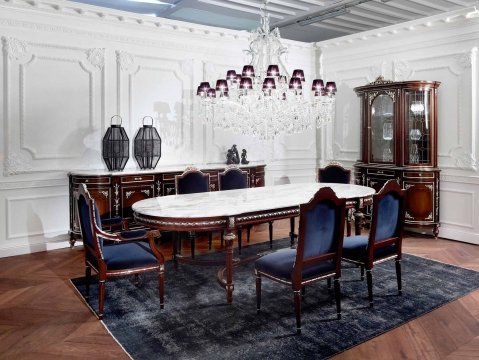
(152, 234)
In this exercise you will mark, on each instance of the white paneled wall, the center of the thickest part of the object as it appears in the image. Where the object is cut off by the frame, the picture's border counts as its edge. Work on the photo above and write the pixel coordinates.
(67, 68)
(442, 48)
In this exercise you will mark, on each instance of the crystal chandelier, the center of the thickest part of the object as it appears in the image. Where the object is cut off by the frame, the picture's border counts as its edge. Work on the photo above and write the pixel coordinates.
(263, 100)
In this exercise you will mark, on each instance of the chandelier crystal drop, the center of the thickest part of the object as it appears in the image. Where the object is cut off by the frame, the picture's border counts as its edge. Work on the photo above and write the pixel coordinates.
(263, 100)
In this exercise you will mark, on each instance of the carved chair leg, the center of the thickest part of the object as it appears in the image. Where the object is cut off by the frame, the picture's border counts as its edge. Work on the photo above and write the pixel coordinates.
(297, 310)
(161, 285)
(291, 231)
(239, 241)
(192, 244)
(87, 281)
(175, 249)
(337, 296)
(398, 275)
(101, 298)
(258, 293)
(369, 277)
(362, 272)
(137, 280)
(270, 234)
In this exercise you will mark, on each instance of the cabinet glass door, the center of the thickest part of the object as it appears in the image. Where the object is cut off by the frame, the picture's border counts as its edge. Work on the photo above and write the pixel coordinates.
(417, 128)
(382, 129)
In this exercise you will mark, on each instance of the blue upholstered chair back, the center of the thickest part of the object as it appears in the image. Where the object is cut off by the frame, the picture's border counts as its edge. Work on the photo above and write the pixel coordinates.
(192, 182)
(85, 221)
(321, 223)
(334, 174)
(388, 217)
(233, 179)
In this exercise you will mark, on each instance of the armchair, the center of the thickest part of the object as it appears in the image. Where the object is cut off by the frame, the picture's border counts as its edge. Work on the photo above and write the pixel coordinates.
(385, 236)
(127, 252)
(317, 256)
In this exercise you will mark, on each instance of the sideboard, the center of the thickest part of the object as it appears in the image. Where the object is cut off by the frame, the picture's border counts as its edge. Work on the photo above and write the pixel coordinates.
(116, 191)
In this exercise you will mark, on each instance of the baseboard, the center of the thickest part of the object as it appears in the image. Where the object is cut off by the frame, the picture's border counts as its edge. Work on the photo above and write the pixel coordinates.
(59, 243)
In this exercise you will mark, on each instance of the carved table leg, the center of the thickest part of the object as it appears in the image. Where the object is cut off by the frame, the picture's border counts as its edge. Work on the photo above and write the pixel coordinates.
(435, 231)
(229, 286)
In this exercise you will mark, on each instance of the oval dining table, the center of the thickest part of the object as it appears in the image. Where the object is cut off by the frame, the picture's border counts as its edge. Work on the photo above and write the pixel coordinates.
(230, 210)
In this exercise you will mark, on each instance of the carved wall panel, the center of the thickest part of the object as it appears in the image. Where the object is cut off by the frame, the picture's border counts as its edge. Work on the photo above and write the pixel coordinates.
(53, 95)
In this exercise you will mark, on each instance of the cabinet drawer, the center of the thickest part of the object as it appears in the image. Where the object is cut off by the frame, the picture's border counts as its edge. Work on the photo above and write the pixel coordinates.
(415, 175)
(136, 178)
(90, 180)
(388, 173)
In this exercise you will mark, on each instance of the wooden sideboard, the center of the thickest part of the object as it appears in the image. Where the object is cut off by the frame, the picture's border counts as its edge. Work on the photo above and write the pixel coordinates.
(115, 192)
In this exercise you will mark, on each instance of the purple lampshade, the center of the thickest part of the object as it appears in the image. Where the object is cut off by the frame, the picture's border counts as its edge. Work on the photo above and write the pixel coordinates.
(318, 85)
(238, 79)
(211, 93)
(246, 83)
(273, 70)
(248, 70)
(298, 73)
(221, 85)
(205, 86)
(331, 87)
(295, 83)
(231, 75)
(269, 83)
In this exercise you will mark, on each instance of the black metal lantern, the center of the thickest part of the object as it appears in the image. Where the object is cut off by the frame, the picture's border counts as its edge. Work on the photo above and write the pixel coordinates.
(115, 146)
(147, 146)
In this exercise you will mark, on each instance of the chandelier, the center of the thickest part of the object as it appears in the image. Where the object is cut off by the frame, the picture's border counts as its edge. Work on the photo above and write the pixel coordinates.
(263, 100)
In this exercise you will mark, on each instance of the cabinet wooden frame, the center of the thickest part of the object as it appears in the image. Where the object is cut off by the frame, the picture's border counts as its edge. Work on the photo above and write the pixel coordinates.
(417, 173)
(115, 192)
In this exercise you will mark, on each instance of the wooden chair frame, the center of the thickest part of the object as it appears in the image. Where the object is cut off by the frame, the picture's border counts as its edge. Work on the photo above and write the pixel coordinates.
(391, 186)
(96, 251)
(297, 282)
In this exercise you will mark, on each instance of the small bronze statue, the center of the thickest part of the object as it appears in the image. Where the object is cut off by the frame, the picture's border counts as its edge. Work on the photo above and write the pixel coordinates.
(232, 157)
(243, 157)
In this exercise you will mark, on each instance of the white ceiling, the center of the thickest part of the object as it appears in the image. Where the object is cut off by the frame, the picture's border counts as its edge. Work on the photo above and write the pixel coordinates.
(329, 18)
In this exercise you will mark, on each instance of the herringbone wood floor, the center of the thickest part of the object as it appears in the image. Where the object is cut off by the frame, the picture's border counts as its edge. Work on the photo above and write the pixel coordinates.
(41, 317)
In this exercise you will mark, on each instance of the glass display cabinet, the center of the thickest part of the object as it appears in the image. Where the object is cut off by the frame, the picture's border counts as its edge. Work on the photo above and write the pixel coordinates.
(399, 141)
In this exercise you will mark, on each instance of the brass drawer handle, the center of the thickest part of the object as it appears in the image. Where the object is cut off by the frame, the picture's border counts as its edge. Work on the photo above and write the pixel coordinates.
(138, 178)
(380, 172)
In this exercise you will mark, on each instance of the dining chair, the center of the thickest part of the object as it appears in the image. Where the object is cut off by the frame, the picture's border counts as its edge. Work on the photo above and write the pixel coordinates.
(191, 181)
(115, 254)
(335, 173)
(318, 253)
(384, 241)
(234, 178)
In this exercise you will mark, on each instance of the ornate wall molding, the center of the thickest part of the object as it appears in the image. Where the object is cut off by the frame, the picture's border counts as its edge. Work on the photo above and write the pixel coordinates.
(96, 57)
(14, 49)
(125, 61)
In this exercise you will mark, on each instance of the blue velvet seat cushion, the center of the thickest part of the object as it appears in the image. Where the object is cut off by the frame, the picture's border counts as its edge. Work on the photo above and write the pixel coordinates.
(128, 255)
(280, 264)
(354, 248)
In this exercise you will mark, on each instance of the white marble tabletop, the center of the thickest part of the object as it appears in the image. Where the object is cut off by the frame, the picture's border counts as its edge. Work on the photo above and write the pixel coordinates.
(242, 201)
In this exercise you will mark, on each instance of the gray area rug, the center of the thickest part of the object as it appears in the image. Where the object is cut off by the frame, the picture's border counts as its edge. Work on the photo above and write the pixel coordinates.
(196, 322)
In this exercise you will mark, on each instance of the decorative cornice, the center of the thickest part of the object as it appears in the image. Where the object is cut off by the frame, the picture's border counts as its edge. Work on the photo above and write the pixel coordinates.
(380, 80)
